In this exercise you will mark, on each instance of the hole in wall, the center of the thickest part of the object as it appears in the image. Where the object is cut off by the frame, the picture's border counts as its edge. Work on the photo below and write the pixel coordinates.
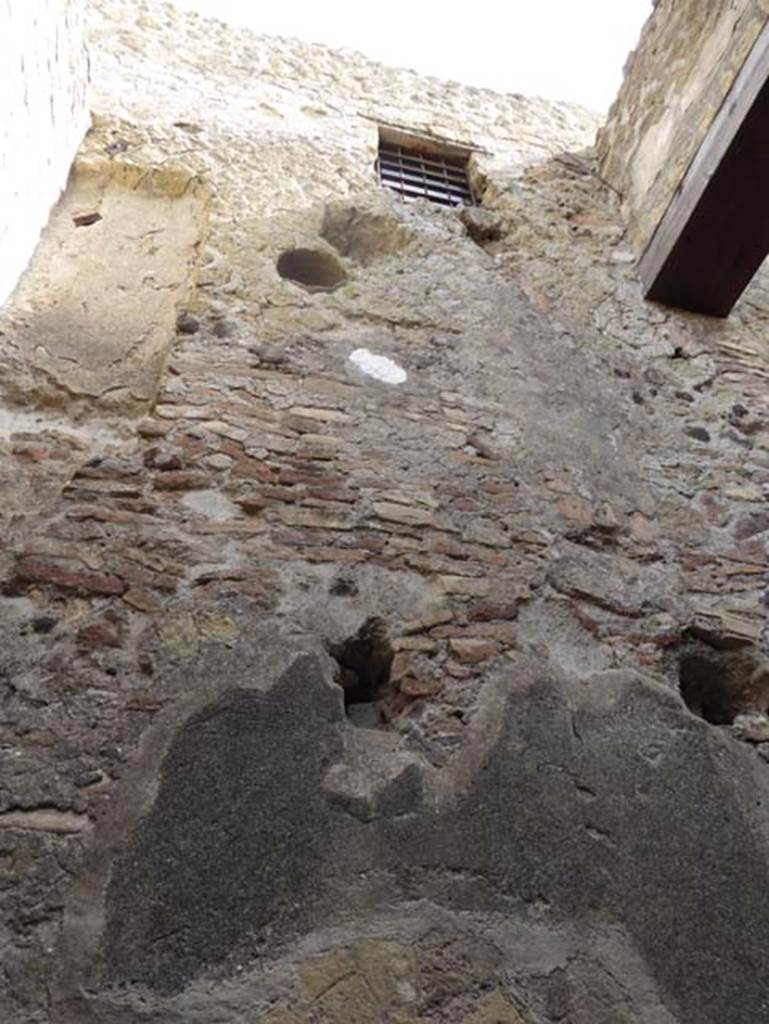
(44, 624)
(363, 233)
(365, 660)
(85, 220)
(313, 269)
(719, 684)
(703, 689)
(342, 586)
(483, 226)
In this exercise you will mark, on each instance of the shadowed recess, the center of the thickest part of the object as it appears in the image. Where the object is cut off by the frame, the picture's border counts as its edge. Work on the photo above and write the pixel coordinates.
(312, 269)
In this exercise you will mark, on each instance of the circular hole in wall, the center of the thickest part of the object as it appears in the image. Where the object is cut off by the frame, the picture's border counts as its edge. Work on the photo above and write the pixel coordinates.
(313, 269)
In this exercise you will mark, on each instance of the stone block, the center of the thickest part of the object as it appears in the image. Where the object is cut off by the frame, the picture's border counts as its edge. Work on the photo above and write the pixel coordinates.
(407, 515)
(466, 586)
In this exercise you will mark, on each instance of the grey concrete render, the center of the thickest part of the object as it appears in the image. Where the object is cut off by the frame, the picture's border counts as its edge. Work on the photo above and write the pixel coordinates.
(580, 829)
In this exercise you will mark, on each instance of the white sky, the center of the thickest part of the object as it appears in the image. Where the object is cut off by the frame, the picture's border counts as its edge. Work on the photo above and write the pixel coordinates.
(570, 50)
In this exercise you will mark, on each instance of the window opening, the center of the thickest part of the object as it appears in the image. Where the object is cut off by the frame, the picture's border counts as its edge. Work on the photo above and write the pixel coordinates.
(415, 174)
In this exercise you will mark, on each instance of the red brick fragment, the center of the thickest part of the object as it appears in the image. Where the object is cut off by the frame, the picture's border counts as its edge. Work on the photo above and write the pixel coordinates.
(419, 686)
(589, 622)
(671, 638)
(166, 462)
(252, 505)
(575, 509)
(193, 447)
(486, 612)
(642, 529)
(34, 453)
(142, 600)
(106, 515)
(504, 631)
(498, 486)
(333, 494)
(273, 493)
(647, 660)
(400, 665)
(139, 576)
(33, 571)
(106, 469)
(716, 511)
(466, 505)
(144, 505)
(253, 468)
(98, 635)
(453, 549)
(327, 554)
(447, 546)
(691, 560)
(472, 651)
(153, 428)
(458, 671)
(749, 551)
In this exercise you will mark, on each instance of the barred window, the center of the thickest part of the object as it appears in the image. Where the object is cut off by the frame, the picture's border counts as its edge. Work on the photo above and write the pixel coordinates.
(416, 173)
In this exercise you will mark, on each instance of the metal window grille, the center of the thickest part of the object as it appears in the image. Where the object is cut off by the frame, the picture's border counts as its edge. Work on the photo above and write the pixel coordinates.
(413, 174)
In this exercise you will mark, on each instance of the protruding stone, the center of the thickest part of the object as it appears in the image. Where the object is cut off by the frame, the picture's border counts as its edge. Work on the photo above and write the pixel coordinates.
(471, 651)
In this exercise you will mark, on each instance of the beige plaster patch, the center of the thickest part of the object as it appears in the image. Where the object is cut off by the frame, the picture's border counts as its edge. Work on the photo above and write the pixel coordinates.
(93, 317)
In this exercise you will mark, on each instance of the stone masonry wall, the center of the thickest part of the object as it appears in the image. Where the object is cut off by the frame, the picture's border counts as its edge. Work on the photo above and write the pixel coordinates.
(688, 57)
(43, 81)
(434, 698)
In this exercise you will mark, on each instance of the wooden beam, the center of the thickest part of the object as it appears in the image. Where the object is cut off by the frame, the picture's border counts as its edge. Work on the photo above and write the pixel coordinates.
(715, 233)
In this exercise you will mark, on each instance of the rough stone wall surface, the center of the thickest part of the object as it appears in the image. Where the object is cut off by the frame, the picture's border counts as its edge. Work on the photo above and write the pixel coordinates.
(676, 80)
(43, 82)
(284, 123)
(323, 697)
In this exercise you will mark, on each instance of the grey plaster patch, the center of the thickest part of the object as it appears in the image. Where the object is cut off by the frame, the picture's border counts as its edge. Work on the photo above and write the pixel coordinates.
(93, 317)
(217, 834)
(211, 504)
(586, 810)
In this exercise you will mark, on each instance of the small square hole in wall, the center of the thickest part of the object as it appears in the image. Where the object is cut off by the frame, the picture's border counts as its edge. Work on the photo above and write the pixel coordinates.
(424, 169)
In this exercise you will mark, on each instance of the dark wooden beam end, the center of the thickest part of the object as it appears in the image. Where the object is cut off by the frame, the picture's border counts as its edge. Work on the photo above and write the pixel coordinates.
(715, 234)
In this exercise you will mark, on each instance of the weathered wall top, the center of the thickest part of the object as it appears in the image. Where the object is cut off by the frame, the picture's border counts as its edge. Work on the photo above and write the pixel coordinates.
(688, 57)
(266, 110)
(43, 79)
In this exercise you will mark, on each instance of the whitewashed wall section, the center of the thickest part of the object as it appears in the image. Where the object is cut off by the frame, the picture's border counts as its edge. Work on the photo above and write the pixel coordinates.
(43, 118)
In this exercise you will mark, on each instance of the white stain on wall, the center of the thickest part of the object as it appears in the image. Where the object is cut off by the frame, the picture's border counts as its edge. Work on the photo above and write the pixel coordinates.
(379, 367)
(43, 118)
